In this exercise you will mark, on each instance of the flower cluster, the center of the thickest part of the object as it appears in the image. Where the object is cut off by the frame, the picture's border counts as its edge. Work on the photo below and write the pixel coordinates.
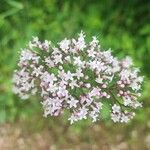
(78, 77)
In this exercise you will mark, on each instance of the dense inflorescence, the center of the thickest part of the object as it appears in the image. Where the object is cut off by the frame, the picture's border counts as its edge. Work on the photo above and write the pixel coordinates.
(78, 76)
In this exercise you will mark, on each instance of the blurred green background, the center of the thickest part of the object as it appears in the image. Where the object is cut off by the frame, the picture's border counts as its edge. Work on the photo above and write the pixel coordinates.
(122, 25)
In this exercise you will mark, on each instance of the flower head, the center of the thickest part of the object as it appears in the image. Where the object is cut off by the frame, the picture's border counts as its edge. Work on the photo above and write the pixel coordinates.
(79, 77)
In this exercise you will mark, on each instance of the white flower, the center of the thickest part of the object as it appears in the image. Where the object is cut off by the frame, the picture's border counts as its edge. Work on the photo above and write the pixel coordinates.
(69, 76)
(34, 43)
(115, 108)
(26, 55)
(51, 106)
(56, 51)
(107, 56)
(135, 86)
(115, 117)
(61, 74)
(140, 79)
(49, 62)
(127, 101)
(73, 84)
(64, 44)
(116, 66)
(99, 80)
(99, 105)
(72, 102)
(80, 43)
(124, 118)
(94, 92)
(37, 71)
(73, 118)
(62, 92)
(88, 85)
(124, 74)
(24, 96)
(35, 39)
(127, 62)
(91, 53)
(88, 100)
(63, 83)
(92, 64)
(68, 58)
(82, 113)
(58, 58)
(94, 116)
(77, 61)
(52, 87)
(49, 78)
(94, 42)
(136, 104)
(79, 73)
(45, 45)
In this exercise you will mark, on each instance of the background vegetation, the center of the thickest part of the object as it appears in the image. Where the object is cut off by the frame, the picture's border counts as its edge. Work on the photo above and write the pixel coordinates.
(121, 25)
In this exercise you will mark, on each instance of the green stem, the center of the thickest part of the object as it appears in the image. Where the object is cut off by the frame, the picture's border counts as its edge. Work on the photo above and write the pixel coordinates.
(115, 98)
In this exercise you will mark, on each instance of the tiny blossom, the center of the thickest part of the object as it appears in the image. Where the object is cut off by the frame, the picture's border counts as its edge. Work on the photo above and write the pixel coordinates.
(73, 118)
(124, 118)
(58, 59)
(72, 102)
(49, 62)
(115, 108)
(79, 73)
(45, 45)
(127, 62)
(127, 101)
(73, 84)
(91, 53)
(68, 58)
(99, 79)
(80, 43)
(88, 85)
(77, 61)
(78, 77)
(94, 42)
(82, 113)
(64, 44)
(115, 117)
(62, 92)
(37, 71)
(35, 40)
(94, 116)
(69, 76)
